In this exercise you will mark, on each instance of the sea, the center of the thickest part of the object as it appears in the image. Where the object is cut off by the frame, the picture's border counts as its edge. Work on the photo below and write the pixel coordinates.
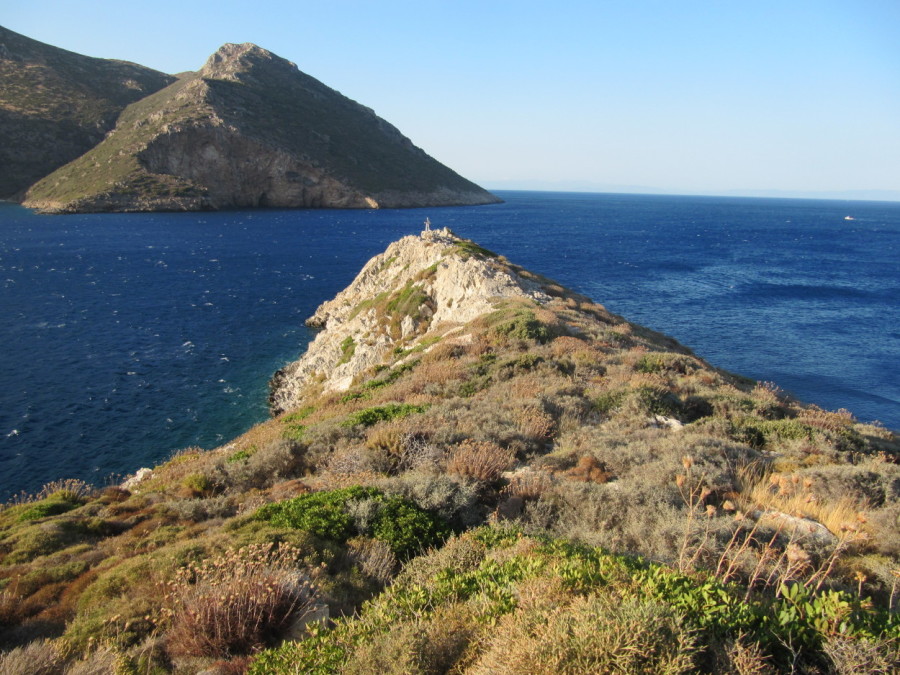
(127, 337)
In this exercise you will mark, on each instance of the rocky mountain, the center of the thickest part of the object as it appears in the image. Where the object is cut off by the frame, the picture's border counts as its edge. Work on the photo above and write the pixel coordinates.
(418, 284)
(56, 105)
(475, 470)
(250, 130)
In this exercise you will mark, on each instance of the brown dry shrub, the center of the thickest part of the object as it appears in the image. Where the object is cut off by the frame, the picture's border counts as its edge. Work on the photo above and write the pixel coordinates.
(533, 422)
(529, 484)
(437, 644)
(566, 346)
(525, 386)
(277, 460)
(850, 656)
(355, 460)
(237, 602)
(740, 656)
(10, 607)
(387, 437)
(395, 652)
(589, 470)
(103, 660)
(479, 460)
(448, 636)
(437, 368)
(70, 489)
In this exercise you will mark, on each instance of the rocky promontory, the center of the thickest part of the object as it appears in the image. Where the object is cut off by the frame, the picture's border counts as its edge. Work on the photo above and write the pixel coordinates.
(421, 290)
(247, 130)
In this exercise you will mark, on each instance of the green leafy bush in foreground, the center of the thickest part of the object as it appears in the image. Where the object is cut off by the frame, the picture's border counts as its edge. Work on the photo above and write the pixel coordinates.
(508, 603)
(338, 515)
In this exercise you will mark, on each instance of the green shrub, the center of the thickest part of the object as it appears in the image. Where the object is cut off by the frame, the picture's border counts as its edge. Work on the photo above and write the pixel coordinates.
(294, 432)
(608, 401)
(348, 348)
(238, 456)
(321, 513)
(198, 483)
(525, 326)
(659, 401)
(650, 363)
(558, 606)
(52, 506)
(758, 432)
(299, 415)
(467, 249)
(384, 413)
(407, 301)
(405, 527)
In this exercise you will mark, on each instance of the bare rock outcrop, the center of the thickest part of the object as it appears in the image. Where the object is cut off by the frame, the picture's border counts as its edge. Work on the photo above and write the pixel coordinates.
(431, 283)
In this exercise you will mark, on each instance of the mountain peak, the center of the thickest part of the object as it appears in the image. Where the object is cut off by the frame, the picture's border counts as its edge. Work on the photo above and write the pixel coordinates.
(232, 59)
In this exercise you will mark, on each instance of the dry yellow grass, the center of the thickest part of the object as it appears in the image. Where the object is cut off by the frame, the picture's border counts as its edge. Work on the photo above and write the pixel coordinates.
(793, 495)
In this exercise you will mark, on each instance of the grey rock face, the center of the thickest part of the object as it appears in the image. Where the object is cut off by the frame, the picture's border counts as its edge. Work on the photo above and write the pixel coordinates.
(449, 288)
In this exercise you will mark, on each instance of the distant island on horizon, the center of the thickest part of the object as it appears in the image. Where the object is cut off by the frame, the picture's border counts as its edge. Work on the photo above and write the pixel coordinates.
(607, 188)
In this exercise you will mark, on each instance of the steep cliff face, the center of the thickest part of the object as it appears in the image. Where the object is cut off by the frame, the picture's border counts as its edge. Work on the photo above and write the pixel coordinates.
(55, 105)
(250, 130)
(420, 289)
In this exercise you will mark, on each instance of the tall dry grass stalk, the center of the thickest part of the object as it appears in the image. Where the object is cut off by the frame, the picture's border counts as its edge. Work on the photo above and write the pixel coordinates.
(793, 495)
(763, 556)
(237, 602)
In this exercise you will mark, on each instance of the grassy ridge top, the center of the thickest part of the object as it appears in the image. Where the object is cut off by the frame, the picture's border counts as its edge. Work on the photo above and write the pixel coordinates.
(546, 488)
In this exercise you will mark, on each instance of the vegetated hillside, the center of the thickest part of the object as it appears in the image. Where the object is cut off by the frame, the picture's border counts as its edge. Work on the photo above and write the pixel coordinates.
(251, 130)
(55, 105)
(458, 482)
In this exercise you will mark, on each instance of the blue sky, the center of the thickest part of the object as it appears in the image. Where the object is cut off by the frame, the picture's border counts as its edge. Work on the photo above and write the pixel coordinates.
(787, 97)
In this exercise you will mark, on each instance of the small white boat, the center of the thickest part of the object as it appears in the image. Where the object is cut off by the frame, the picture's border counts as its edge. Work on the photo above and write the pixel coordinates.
(849, 218)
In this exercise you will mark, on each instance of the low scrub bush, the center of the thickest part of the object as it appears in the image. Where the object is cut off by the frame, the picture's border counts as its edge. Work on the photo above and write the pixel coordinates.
(467, 248)
(384, 413)
(238, 602)
(51, 506)
(609, 401)
(40, 657)
(340, 514)
(534, 604)
(525, 326)
(596, 634)
(479, 460)
(375, 558)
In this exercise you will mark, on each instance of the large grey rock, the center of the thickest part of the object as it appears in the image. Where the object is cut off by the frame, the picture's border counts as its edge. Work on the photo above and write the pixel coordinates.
(452, 286)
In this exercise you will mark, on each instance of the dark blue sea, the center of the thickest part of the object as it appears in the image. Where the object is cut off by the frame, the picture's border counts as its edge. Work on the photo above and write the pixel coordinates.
(126, 337)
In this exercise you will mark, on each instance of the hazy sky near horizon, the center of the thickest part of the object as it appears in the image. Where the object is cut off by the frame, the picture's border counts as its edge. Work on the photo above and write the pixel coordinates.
(688, 97)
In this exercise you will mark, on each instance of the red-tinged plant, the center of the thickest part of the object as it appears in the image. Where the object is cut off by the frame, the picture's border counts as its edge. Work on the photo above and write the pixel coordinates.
(238, 602)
